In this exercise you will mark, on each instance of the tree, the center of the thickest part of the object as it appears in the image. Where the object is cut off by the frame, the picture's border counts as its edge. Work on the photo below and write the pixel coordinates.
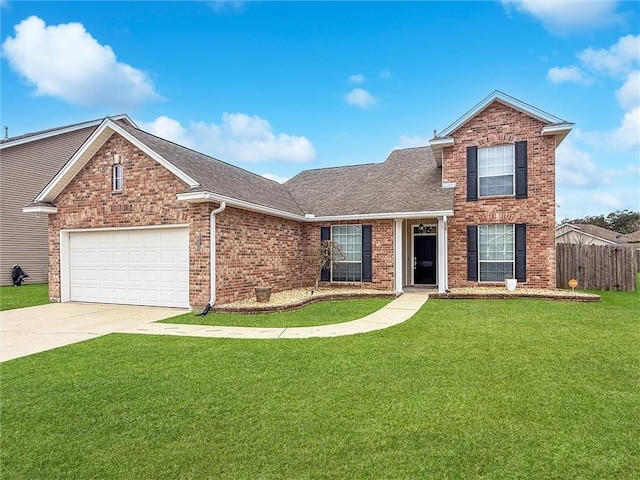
(328, 253)
(621, 221)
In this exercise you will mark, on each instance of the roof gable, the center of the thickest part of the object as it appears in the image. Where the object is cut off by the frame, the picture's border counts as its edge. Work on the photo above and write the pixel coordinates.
(95, 141)
(553, 125)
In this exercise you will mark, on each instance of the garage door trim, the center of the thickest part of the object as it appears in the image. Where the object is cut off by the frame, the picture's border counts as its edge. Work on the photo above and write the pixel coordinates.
(65, 251)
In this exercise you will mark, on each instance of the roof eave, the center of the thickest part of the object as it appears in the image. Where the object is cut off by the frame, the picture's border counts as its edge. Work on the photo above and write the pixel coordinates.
(203, 196)
(437, 144)
(40, 209)
(559, 131)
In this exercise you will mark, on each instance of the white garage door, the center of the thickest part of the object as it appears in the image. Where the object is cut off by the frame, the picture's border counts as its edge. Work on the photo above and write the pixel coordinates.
(131, 267)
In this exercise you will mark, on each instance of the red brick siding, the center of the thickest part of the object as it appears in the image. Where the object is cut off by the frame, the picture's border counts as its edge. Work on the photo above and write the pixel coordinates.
(497, 125)
(252, 249)
(382, 256)
(148, 199)
(255, 250)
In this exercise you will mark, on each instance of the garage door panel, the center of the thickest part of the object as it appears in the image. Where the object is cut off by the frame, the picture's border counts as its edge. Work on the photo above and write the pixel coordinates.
(138, 267)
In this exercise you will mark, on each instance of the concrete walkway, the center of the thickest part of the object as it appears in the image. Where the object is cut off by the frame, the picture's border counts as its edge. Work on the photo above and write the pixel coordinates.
(397, 311)
(26, 331)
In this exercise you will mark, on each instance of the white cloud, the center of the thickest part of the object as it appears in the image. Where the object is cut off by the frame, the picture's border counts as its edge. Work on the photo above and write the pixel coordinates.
(628, 94)
(567, 74)
(574, 167)
(239, 137)
(66, 62)
(274, 177)
(619, 59)
(559, 16)
(627, 135)
(227, 6)
(357, 78)
(406, 141)
(360, 98)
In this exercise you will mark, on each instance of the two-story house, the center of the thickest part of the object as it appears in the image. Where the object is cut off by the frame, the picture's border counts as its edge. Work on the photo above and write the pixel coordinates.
(137, 219)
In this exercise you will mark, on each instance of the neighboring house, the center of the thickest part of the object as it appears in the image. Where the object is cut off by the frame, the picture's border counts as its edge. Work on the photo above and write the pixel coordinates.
(27, 164)
(586, 234)
(137, 219)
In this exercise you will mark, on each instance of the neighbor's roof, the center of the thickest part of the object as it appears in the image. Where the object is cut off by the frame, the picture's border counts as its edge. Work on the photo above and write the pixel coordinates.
(408, 181)
(596, 231)
(51, 132)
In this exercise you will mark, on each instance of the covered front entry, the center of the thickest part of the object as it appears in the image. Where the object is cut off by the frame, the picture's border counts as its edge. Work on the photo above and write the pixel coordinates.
(424, 259)
(421, 252)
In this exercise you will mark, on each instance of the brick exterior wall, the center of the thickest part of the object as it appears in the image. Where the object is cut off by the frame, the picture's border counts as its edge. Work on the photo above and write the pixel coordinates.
(382, 254)
(252, 249)
(148, 199)
(499, 125)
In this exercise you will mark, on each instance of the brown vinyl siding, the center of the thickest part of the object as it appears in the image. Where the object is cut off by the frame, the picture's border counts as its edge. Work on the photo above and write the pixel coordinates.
(25, 170)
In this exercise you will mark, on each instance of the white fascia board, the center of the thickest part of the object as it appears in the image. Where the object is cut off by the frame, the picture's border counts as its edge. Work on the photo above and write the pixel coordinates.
(440, 143)
(560, 131)
(507, 100)
(198, 197)
(95, 141)
(383, 216)
(158, 158)
(40, 209)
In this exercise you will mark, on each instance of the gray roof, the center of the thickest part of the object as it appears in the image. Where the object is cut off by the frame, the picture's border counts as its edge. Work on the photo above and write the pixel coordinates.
(408, 181)
(219, 177)
(601, 232)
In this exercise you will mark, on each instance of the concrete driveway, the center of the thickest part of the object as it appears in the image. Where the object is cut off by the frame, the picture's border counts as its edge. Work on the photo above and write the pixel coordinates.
(26, 331)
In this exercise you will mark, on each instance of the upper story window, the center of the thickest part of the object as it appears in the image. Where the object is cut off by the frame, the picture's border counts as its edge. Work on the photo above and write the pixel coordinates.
(496, 171)
(118, 177)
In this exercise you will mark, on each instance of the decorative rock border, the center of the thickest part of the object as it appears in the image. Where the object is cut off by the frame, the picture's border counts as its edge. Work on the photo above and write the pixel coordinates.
(486, 293)
(253, 308)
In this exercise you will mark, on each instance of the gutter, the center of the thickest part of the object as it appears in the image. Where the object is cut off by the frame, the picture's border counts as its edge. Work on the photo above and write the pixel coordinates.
(212, 252)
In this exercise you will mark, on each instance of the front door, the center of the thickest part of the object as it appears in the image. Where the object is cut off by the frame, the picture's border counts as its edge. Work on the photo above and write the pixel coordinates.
(424, 260)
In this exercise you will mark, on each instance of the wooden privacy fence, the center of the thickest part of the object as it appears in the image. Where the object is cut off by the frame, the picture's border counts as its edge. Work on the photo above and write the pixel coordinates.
(596, 267)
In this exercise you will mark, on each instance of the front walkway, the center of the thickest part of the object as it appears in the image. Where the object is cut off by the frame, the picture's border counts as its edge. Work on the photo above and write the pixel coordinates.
(397, 311)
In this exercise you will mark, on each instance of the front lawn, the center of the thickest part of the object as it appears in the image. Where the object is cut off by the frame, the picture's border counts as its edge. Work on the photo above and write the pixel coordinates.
(26, 295)
(321, 313)
(499, 389)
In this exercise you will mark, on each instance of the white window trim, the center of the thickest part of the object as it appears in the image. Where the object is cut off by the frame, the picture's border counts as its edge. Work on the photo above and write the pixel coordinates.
(513, 174)
(513, 262)
(347, 261)
(118, 179)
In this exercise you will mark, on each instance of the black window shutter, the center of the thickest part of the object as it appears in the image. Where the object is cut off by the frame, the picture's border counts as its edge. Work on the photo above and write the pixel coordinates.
(521, 252)
(325, 234)
(472, 253)
(472, 173)
(521, 169)
(366, 253)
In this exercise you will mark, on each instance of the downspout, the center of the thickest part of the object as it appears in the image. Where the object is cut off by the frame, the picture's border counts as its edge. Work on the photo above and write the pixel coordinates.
(212, 248)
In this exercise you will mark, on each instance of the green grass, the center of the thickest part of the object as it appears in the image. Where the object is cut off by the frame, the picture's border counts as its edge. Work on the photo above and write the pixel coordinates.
(26, 295)
(321, 313)
(466, 389)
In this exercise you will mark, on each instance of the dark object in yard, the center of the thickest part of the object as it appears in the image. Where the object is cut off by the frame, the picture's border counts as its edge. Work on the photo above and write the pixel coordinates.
(18, 275)
(205, 311)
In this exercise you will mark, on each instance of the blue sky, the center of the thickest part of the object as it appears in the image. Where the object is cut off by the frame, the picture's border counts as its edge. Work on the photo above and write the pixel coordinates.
(278, 87)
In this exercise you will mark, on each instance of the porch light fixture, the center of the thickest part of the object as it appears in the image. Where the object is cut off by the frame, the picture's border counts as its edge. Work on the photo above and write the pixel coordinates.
(421, 228)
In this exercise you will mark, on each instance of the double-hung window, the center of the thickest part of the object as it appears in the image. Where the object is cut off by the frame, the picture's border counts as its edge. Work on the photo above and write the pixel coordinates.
(118, 177)
(496, 252)
(349, 237)
(496, 171)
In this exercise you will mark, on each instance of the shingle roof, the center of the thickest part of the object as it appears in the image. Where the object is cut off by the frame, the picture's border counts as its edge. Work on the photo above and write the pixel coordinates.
(219, 177)
(601, 232)
(408, 181)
